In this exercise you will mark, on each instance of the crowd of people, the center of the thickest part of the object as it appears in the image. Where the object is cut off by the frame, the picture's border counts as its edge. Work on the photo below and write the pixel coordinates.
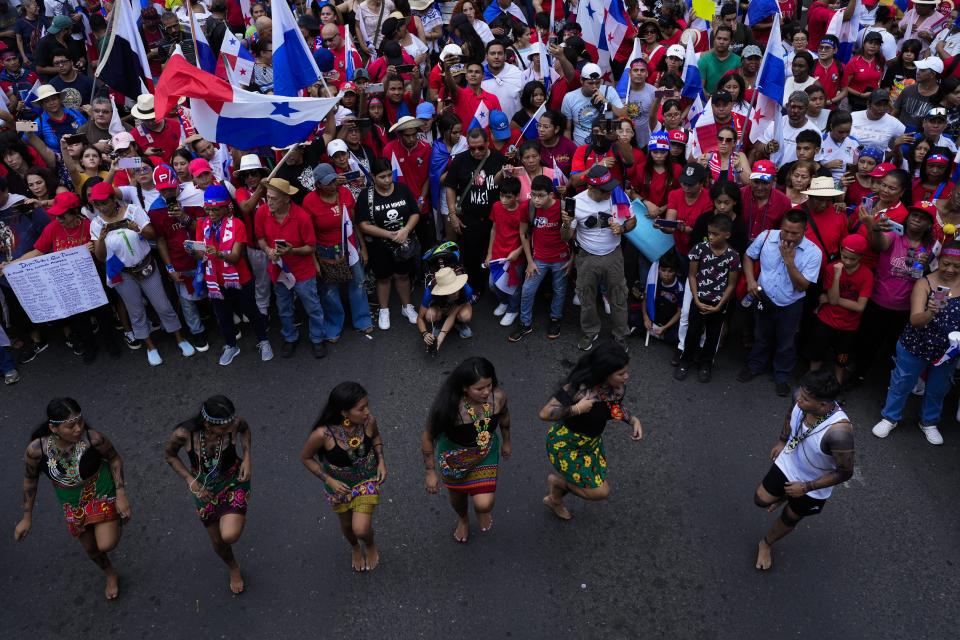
(475, 151)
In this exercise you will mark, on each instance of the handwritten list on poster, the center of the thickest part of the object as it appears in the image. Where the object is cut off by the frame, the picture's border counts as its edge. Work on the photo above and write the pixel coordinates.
(57, 285)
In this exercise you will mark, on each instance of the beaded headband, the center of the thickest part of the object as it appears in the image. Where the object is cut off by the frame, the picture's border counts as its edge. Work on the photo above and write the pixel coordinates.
(953, 252)
(206, 416)
(73, 419)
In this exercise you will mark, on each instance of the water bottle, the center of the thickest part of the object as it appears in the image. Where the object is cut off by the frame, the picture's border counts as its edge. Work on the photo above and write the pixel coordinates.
(916, 271)
(749, 299)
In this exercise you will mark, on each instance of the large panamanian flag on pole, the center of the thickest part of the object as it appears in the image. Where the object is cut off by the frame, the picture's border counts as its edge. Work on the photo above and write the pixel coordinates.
(604, 26)
(124, 66)
(293, 65)
(771, 84)
(231, 115)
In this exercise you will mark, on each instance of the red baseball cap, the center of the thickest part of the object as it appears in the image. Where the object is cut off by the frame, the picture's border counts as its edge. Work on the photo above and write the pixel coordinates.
(937, 158)
(63, 202)
(101, 191)
(882, 169)
(855, 243)
(198, 166)
(926, 207)
(763, 170)
(678, 135)
(165, 178)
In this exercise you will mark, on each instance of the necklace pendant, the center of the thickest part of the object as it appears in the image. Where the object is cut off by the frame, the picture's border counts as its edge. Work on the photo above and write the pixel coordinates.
(483, 438)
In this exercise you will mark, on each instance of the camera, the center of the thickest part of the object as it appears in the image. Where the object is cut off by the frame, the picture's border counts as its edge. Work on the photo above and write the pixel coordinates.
(570, 206)
(599, 221)
(608, 122)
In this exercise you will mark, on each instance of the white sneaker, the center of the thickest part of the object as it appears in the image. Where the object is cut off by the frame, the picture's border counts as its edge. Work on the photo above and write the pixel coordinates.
(409, 313)
(920, 388)
(883, 428)
(153, 357)
(266, 351)
(606, 305)
(500, 310)
(931, 433)
(186, 349)
(229, 353)
(576, 299)
(383, 319)
(508, 319)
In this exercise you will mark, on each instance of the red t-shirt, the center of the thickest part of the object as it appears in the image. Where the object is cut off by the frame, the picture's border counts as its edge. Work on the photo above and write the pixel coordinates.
(760, 219)
(168, 139)
(55, 238)
(688, 214)
(818, 19)
(242, 195)
(465, 104)
(507, 232)
(853, 286)
(435, 79)
(561, 88)
(829, 77)
(297, 230)
(393, 110)
(378, 68)
(562, 152)
(860, 75)
(340, 65)
(414, 163)
(585, 157)
(174, 233)
(224, 244)
(327, 216)
(833, 229)
(856, 192)
(653, 188)
(548, 245)
(921, 193)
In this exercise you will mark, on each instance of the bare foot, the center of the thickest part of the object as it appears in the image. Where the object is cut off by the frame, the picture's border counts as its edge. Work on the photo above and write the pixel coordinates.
(557, 507)
(372, 556)
(236, 580)
(357, 561)
(462, 532)
(764, 556)
(485, 520)
(112, 590)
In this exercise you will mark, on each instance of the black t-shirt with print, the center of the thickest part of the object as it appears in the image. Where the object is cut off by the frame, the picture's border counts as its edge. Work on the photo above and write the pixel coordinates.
(390, 212)
(483, 193)
(713, 271)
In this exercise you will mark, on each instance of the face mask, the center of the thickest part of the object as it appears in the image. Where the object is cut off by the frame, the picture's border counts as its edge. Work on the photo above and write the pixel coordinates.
(600, 144)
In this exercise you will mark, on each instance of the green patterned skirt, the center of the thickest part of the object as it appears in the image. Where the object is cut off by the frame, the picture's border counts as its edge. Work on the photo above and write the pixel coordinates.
(580, 459)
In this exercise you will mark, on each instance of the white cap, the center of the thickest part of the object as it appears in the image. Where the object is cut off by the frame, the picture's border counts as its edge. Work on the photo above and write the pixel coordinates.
(336, 146)
(933, 63)
(677, 51)
(121, 140)
(451, 50)
(590, 70)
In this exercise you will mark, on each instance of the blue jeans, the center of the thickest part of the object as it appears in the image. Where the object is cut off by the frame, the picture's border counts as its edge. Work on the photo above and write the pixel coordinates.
(306, 290)
(775, 335)
(512, 300)
(532, 284)
(188, 303)
(906, 369)
(333, 308)
(6, 362)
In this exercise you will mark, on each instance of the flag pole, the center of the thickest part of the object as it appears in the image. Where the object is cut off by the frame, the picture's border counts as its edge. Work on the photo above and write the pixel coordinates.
(193, 33)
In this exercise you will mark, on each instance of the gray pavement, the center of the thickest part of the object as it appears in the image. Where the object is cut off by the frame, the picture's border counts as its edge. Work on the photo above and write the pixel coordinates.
(670, 555)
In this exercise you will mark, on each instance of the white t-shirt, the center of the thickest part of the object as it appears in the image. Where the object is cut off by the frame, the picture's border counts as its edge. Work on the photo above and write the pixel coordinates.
(788, 139)
(876, 133)
(580, 111)
(821, 120)
(792, 85)
(129, 195)
(830, 150)
(598, 241)
(507, 86)
(951, 41)
(126, 244)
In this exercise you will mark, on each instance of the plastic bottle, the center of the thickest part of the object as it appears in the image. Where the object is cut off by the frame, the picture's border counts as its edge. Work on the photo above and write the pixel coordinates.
(916, 271)
(749, 299)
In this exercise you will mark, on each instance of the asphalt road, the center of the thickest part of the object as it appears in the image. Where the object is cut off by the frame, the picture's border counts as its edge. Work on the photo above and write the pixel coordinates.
(670, 555)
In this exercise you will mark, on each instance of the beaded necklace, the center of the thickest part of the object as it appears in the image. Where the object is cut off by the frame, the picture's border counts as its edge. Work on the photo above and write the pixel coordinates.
(481, 424)
(205, 461)
(353, 441)
(70, 462)
(798, 436)
(612, 398)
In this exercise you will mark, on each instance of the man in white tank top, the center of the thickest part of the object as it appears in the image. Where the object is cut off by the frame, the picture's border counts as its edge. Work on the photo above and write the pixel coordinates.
(814, 453)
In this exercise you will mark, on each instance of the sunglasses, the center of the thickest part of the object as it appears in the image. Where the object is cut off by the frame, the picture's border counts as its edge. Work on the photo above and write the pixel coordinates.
(721, 139)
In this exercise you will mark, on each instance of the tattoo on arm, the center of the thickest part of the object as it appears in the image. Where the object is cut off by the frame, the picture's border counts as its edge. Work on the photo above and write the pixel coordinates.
(31, 475)
(838, 442)
(171, 452)
(557, 411)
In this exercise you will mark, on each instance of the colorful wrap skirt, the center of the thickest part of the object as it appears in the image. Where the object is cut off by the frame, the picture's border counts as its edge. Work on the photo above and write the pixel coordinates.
(361, 477)
(91, 502)
(229, 496)
(580, 459)
(469, 470)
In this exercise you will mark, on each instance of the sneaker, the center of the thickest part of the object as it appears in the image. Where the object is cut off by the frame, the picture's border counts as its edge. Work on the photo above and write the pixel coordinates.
(286, 351)
(186, 349)
(500, 310)
(682, 371)
(746, 375)
(932, 434)
(883, 428)
(508, 318)
(553, 332)
(266, 351)
(11, 377)
(576, 299)
(30, 353)
(153, 357)
(675, 361)
(75, 346)
(154, 327)
(521, 331)
(383, 319)
(920, 388)
(409, 313)
(705, 373)
(333, 340)
(229, 353)
(132, 342)
(200, 342)
(464, 330)
(783, 389)
(606, 305)
(319, 350)
(585, 343)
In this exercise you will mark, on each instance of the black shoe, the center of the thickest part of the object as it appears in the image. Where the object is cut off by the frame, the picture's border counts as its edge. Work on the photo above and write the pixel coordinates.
(132, 342)
(683, 370)
(319, 350)
(286, 351)
(200, 342)
(783, 389)
(521, 331)
(705, 372)
(31, 352)
(554, 331)
(746, 375)
(677, 354)
(74, 345)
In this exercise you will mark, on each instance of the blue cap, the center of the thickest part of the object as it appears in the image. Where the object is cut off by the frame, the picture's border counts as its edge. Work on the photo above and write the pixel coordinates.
(425, 110)
(324, 59)
(499, 125)
(659, 141)
(216, 195)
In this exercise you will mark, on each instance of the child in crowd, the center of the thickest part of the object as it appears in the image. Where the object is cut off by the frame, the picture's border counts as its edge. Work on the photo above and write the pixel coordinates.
(508, 243)
(547, 253)
(445, 304)
(846, 288)
(667, 299)
(714, 267)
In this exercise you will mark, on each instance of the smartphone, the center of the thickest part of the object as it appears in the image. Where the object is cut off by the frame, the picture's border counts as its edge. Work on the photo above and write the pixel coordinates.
(553, 40)
(75, 138)
(363, 123)
(940, 293)
(130, 163)
(194, 245)
(867, 204)
(850, 168)
(373, 88)
(281, 244)
(405, 68)
(24, 126)
(896, 227)
(457, 68)
(569, 206)
(353, 175)
(667, 224)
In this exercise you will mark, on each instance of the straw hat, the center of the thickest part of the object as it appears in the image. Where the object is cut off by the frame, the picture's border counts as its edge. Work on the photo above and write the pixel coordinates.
(823, 187)
(144, 109)
(47, 91)
(406, 122)
(447, 282)
(281, 185)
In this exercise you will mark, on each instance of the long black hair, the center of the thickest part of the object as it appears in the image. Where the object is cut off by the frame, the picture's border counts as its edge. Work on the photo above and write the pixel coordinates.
(343, 397)
(729, 189)
(595, 367)
(217, 407)
(446, 405)
(58, 409)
